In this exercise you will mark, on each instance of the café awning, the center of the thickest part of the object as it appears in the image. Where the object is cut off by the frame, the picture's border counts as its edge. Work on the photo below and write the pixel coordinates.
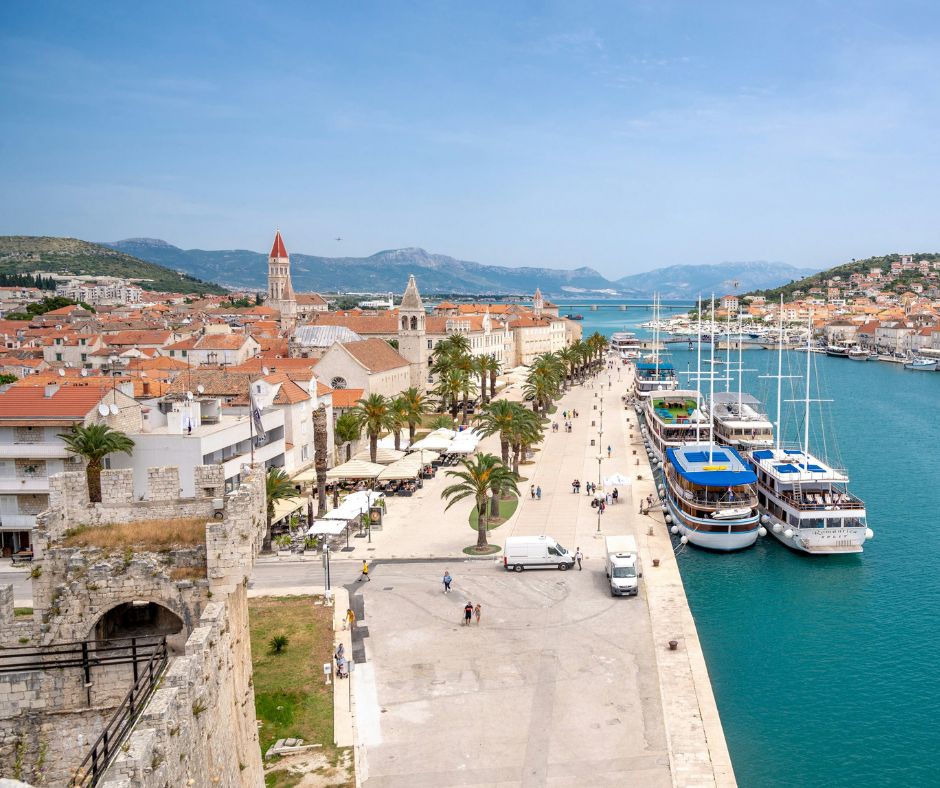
(383, 455)
(355, 469)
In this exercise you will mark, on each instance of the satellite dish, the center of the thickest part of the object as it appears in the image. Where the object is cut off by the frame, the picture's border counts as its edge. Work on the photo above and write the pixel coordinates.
(265, 370)
(61, 373)
(200, 388)
(84, 373)
(103, 410)
(189, 395)
(114, 409)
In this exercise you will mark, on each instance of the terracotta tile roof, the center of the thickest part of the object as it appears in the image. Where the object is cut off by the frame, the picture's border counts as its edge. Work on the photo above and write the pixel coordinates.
(346, 398)
(158, 338)
(323, 389)
(376, 355)
(68, 403)
(272, 348)
(289, 393)
(311, 299)
(222, 342)
(185, 344)
(225, 383)
(304, 365)
(362, 323)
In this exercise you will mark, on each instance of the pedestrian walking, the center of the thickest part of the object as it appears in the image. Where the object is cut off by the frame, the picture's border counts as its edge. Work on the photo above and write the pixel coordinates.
(574, 486)
(532, 491)
(447, 581)
(608, 452)
(578, 555)
(608, 499)
(467, 613)
(477, 611)
(615, 494)
(538, 493)
(350, 619)
(601, 505)
(365, 572)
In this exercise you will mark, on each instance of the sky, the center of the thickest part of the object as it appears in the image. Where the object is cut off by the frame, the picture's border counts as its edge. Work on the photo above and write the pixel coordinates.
(619, 135)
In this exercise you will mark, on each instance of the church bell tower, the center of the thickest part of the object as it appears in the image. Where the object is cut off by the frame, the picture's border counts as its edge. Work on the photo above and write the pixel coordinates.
(412, 339)
(280, 290)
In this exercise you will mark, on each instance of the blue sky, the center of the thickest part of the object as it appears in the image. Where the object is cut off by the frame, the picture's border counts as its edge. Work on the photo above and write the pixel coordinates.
(623, 135)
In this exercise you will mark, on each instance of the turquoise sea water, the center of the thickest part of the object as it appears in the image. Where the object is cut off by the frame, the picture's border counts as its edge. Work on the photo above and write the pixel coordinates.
(825, 669)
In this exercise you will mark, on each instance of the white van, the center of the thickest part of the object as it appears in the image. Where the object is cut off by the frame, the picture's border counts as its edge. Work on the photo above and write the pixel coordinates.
(535, 552)
(622, 564)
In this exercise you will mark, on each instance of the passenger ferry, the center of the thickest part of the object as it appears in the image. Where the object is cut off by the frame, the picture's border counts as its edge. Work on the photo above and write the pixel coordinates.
(740, 421)
(672, 419)
(711, 496)
(626, 345)
(806, 503)
(652, 377)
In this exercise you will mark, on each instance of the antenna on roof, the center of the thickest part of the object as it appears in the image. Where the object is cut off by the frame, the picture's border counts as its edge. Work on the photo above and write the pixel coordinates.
(265, 371)
(84, 373)
(189, 395)
(200, 389)
(61, 373)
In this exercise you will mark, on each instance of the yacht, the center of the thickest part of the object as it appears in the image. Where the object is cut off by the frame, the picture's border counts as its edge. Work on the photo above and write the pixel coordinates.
(839, 351)
(671, 419)
(740, 421)
(711, 496)
(804, 500)
(653, 377)
(858, 353)
(922, 364)
(626, 345)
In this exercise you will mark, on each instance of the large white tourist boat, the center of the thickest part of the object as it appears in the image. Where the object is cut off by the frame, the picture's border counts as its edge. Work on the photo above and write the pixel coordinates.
(626, 346)
(804, 501)
(740, 421)
(671, 419)
(711, 496)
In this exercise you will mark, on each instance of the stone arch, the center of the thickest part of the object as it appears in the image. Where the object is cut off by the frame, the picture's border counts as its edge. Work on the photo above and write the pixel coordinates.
(141, 618)
(414, 324)
(404, 323)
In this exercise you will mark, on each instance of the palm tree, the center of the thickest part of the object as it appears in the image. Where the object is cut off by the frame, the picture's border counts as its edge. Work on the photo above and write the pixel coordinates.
(526, 431)
(569, 357)
(94, 443)
(347, 430)
(544, 380)
(499, 417)
(480, 473)
(493, 368)
(320, 442)
(442, 422)
(278, 487)
(448, 389)
(398, 411)
(416, 405)
(373, 414)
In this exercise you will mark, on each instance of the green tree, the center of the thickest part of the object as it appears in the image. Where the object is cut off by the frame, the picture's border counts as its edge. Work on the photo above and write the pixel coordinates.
(442, 422)
(448, 389)
(347, 430)
(481, 473)
(277, 487)
(94, 443)
(398, 409)
(416, 405)
(491, 366)
(498, 417)
(373, 414)
(6, 378)
(527, 430)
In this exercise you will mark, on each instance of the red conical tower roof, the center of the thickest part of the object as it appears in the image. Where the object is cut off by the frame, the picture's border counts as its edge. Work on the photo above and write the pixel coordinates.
(278, 250)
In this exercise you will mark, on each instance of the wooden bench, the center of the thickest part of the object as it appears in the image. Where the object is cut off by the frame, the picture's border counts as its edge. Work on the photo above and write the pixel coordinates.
(21, 558)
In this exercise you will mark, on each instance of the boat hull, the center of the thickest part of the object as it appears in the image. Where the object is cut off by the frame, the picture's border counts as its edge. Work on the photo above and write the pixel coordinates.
(719, 541)
(825, 541)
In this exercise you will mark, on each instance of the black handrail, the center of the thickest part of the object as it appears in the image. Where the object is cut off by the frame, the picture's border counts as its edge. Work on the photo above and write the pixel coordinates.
(81, 654)
(91, 769)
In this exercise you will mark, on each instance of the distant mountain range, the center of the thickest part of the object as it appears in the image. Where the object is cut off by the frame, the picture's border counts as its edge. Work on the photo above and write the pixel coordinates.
(24, 254)
(437, 273)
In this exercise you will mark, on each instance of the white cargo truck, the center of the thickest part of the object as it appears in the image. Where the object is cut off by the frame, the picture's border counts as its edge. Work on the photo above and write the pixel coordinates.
(535, 552)
(622, 563)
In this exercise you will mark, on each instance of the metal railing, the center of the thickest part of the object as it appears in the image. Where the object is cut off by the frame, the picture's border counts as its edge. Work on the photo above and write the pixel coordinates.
(836, 500)
(85, 654)
(91, 769)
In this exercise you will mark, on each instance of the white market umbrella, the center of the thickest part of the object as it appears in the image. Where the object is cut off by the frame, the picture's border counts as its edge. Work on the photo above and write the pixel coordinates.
(331, 527)
(383, 455)
(617, 479)
(432, 442)
(408, 468)
(355, 469)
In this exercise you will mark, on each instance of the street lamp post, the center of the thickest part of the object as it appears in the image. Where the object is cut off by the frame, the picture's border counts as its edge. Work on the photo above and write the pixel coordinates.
(599, 458)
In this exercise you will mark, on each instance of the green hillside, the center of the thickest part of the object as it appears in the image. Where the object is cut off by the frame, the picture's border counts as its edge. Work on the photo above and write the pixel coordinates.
(23, 254)
(898, 284)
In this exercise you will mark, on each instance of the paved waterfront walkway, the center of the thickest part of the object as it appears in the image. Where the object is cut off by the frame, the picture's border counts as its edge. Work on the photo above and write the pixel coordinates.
(419, 527)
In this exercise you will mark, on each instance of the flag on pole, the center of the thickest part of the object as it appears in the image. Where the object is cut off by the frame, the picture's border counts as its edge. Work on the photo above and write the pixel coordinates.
(260, 434)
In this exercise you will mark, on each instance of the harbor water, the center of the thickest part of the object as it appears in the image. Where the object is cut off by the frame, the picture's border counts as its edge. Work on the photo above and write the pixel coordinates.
(824, 668)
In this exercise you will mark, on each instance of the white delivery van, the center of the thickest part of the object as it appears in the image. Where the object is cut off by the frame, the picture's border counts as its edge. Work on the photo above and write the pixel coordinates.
(535, 552)
(622, 563)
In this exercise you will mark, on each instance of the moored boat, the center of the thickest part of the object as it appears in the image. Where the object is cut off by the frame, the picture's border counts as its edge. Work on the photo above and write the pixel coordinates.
(922, 365)
(740, 421)
(711, 496)
(672, 419)
(857, 353)
(837, 351)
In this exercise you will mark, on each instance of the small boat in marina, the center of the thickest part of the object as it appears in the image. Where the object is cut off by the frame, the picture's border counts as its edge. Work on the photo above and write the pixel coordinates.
(857, 353)
(922, 364)
(837, 351)
(576, 316)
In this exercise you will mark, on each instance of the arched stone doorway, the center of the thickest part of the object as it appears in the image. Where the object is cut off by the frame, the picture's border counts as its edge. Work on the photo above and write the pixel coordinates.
(140, 619)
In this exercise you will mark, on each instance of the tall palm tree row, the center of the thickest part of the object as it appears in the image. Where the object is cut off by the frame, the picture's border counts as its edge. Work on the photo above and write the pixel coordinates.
(278, 487)
(480, 474)
(347, 430)
(544, 381)
(416, 405)
(94, 443)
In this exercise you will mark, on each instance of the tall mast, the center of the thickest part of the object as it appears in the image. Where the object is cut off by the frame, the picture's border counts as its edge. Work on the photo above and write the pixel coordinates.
(779, 368)
(728, 357)
(711, 392)
(698, 375)
(740, 360)
(656, 334)
(806, 401)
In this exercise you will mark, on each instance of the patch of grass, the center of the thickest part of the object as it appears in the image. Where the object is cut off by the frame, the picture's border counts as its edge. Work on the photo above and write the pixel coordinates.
(506, 510)
(22, 611)
(145, 534)
(282, 779)
(490, 549)
(291, 698)
(188, 573)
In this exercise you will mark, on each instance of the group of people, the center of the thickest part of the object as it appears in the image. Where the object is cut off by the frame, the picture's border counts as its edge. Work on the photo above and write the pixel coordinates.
(567, 426)
(569, 414)
(536, 492)
(469, 610)
(646, 504)
(342, 667)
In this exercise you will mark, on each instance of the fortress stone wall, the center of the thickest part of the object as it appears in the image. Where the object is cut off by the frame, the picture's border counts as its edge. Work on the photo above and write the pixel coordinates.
(201, 723)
